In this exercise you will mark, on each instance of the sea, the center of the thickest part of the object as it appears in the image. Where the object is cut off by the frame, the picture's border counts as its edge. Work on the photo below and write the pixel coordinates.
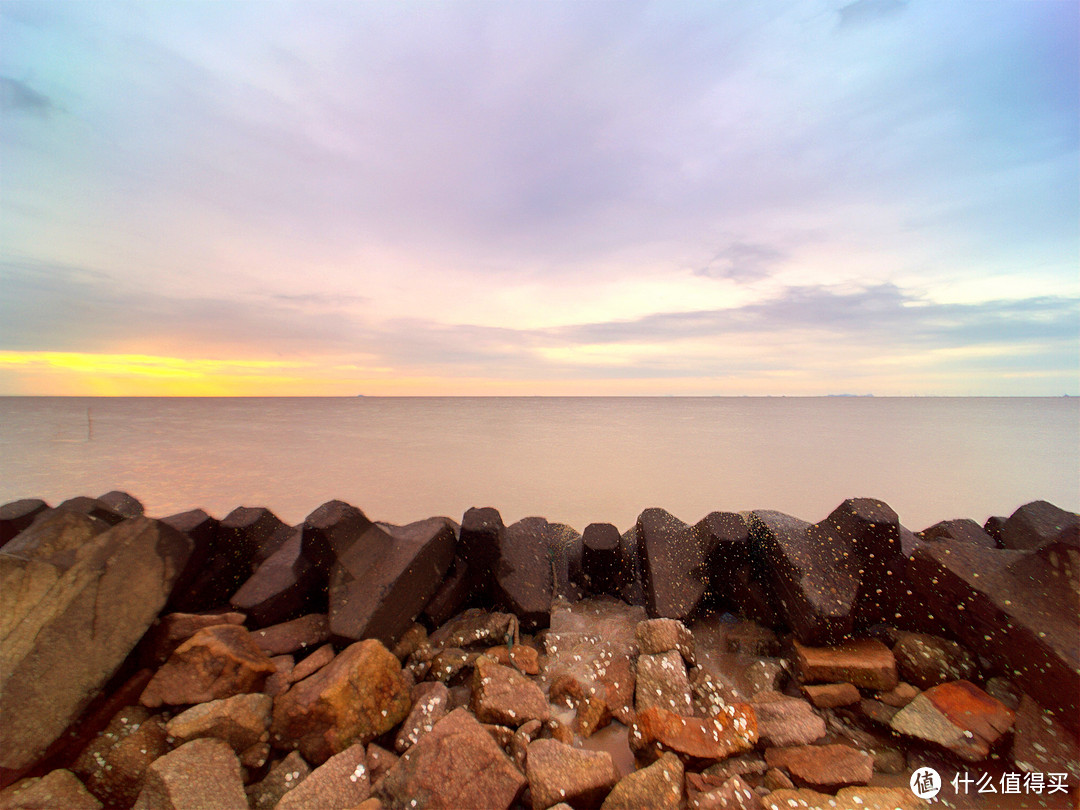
(574, 460)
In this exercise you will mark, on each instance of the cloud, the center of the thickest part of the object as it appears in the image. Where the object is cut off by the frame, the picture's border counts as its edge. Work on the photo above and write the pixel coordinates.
(18, 96)
(742, 262)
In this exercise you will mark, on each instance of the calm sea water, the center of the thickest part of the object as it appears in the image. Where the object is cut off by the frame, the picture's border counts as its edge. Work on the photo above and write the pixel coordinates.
(575, 460)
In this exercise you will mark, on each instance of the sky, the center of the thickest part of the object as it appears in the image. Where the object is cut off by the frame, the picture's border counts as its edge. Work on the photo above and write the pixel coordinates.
(477, 198)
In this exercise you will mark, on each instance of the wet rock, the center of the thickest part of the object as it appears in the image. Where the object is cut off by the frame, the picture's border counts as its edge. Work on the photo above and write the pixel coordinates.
(831, 695)
(601, 560)
(199, 775)
(786, 721)
(285, 585)
(764, 676)
(173, 629)
(926, 660)
(558, 772)
(657, 787)
(863, 662)
(342, 782)
(293, 636)
(457, 764)
(662, 681)
(823, 766)
(656, 730)
(92, 507)
(481, 529)
(122, 503)
(963, 529)
(518, 749)
(73, 605)
(1042, 745)
(899, 697)
(18, 515)
(733, 794)
(863, 798)
(503, 695)
(476, 626)
(672, 565)
(430, 702)
(192, 593)
(725, 545)
(451, 594)
(523, 580)
(379, 585)
(217, 662)
(958, 716)
(279, 780)
(361, 694)
(592, 714)
(241, 721)
(525, 659)
(662, 635)
(113, 766)
(1037, 524)
(447, 663)
(57, 789)
(712, 694)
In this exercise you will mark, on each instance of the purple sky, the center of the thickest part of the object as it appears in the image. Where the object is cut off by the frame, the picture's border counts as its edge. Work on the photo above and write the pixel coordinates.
(469, 198)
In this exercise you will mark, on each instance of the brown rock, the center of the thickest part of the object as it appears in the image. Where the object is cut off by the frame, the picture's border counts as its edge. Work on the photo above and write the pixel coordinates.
(114, 765)
(1037, 524)
(1042, 745)
(313, 663)
(361, 694)
(122, 503)
(657, 730)
(380, 761)
(505, 696)
(776, 779)
(280, 680)
(410, 641)
(283, 586)
(862, 798)
(823, 766)
(199, 775)
(241, 721)
(877, 711)
(745, 764)
(429, 707)
(455, 765)
(926, 660)
(663, 635)
(449, 598)
(899, 697)
(342, 782)
(733, 794)
(672, 565)
(18, 515)
(786, 721)
(525, 659)
(173, 629)
(558, 772)
(217, 662)
(601, 562)
(657, 787)
(279, 780)
(963, 529)
(448, 663)
(73, 605)
(662, 681)
(289, 637)
(523, 580)
(189, 595)
(831, 695)
(59, 789)
(592, 714)
(476, 627)
(92, 507)
(864, 662)
(958, 716)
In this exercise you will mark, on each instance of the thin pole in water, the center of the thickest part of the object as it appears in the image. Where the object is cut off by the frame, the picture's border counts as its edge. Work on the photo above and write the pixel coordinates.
(89, 425)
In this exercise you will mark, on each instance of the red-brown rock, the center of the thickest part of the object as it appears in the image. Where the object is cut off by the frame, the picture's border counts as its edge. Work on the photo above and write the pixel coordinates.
(958, 716)
(831, 695)
(242, 721)
(503, 695)
(733, 794)
(656, 730)
(114, 765)
(786, 721)
(657, 787)
(18, 515)
(173, 629)
(289, 637)
(864, 662)
(662, 681)
(560, 773)
(58, 789)
(199, 775)
(823, 766)
(343, 781)
(1042, 745)
(926, 660)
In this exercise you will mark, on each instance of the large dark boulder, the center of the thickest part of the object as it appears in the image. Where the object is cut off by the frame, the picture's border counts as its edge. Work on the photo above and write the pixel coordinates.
(532, 553)
(481, 528)
(380, 583)
(725, 546)
(18, 515)
(122, 503)
(75, 604)
(672, 565)
(92, 507)
(959, 529)
(193, 592)
(331, 530)
(1037, 523)
(601, 560)
(451, 596)
(283, 587)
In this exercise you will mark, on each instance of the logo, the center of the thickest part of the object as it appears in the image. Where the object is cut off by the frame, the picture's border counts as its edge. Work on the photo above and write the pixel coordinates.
(925, 783)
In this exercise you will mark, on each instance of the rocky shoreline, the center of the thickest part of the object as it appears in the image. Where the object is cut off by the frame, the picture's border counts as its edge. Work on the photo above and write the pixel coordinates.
(750, 660)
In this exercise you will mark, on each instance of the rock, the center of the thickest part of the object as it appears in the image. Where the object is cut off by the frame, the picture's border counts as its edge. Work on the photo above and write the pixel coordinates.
(430, 702)
(662, 681)
(92, 507)
(122, 503)
(410, 641)
(776, 779)
(1042, 745)
(712, 693)
(958, 716)
(523, 581)
(750, 638)
(380, 583)
(733, 794)
(656, 730)
(1004, 690)
(1037, 524)
(831, 695)
(173, 629)
(481, 529)
(114, 765)
(281, 778)
(786, 721)
(863, 798)
(823, 766)
(331, 530)
(1012, 607)
(451, 595)
(963, 529)
(69, 619)
(59, 789)
(199, 775)
(280, 681)
(863, 662)
(926, 660)
(285, 585)
(601, 560)
(558, 772)
(217, 662)
(725, 546)
(313, 663)
(672, 565)
(476, 626)
(877, 711)
(633, 591)
(241, 721)
(764, 676)
(192, 593)
(18, 515)
(361, 694)
(745, 764)
(899, 697)
(662, 635)
(518, 749)
(503, 695)
(292, 636)
(380, 761)
(657, 787)
(455, 765)
(342, 782)
(525, 659)
(447, 663)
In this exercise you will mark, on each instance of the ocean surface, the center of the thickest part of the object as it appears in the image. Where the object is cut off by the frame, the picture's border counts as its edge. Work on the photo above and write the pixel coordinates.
(573, 460)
